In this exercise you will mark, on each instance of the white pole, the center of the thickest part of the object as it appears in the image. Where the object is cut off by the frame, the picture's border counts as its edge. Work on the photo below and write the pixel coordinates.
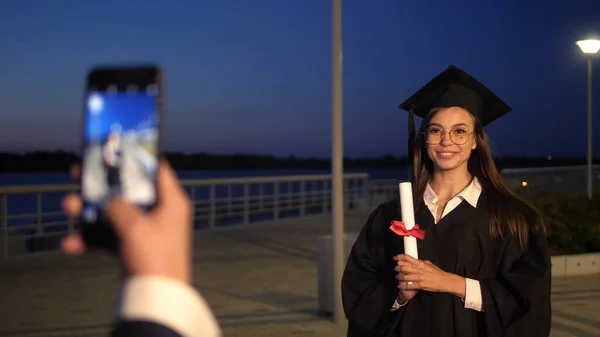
(590, 177)
(337, 165)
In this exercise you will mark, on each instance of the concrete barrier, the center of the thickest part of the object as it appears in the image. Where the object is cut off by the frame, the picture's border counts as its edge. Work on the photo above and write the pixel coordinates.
(576, 264)
(325, 271)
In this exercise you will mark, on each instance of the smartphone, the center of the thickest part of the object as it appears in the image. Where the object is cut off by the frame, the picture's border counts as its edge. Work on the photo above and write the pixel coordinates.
(121, 145)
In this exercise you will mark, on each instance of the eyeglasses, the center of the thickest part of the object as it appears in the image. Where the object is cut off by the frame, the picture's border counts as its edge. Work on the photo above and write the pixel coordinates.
(458, 136)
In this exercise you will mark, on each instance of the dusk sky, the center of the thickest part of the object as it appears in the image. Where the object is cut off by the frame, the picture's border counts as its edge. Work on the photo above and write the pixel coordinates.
(254, 76)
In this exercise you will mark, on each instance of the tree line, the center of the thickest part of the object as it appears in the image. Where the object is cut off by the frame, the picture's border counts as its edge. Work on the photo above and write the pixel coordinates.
(46, 161)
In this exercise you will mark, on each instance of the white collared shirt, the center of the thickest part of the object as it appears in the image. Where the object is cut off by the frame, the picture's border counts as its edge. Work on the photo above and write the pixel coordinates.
(470, 194)
(168, 302)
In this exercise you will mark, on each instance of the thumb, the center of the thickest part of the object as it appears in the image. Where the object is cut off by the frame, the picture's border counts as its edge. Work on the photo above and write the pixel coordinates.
(123, 214)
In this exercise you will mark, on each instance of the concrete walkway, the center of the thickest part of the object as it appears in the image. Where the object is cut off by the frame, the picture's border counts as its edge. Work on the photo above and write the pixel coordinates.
(260, 281)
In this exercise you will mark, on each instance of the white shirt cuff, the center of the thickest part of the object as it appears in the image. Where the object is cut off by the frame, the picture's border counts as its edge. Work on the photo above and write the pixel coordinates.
(397, 305)
(473, 299)
(170, 303)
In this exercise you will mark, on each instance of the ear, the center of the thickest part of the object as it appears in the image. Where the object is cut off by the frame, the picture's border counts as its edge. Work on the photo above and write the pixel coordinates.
(474, 146)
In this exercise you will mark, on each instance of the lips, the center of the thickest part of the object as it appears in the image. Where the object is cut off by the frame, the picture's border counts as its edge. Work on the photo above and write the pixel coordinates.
(445, 154)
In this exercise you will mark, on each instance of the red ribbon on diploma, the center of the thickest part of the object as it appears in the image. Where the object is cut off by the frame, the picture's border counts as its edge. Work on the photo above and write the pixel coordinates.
(399, 228)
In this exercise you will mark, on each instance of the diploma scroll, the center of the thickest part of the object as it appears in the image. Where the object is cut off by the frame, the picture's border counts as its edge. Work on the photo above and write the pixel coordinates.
(408, 217)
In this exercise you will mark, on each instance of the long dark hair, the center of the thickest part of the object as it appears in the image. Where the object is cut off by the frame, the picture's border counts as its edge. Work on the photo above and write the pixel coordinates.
(506, 207)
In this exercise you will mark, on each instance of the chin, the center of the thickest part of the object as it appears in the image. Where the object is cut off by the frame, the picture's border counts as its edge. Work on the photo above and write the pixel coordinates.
(445, 166)
(448, 164)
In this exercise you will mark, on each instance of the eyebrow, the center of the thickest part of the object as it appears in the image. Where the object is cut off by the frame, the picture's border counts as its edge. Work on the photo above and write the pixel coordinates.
(455, 125)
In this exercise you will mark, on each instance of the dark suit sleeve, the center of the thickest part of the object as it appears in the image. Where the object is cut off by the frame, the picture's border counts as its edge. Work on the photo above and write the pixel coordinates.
(142, 329)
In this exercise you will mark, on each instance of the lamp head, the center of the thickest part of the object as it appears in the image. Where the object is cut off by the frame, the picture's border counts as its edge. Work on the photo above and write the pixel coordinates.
(589, 46)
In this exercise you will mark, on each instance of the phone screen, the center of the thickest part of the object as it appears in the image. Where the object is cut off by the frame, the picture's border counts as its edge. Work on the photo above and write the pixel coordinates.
(120, 147)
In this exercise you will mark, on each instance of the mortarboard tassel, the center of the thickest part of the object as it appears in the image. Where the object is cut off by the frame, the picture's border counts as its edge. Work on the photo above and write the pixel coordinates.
(411, 142)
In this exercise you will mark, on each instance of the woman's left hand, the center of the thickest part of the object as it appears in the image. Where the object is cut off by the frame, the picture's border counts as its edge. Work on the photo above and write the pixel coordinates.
(424, 275)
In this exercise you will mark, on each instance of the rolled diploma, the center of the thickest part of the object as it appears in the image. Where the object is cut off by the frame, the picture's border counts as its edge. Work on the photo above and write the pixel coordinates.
(408, 217)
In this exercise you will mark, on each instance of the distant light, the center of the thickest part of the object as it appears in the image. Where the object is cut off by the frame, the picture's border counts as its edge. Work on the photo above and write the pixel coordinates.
(112, 89)
(589, 46)
(524, 183)
(549, 157)
(95, 104)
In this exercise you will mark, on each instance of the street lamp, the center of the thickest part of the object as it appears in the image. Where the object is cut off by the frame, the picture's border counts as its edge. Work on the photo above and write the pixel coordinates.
(590, 48)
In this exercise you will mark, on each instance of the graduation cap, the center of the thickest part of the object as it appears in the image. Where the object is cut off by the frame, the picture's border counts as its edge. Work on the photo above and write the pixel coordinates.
(453, 88)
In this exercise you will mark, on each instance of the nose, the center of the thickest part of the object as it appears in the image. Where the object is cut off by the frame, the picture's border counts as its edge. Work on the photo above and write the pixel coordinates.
(446, 141)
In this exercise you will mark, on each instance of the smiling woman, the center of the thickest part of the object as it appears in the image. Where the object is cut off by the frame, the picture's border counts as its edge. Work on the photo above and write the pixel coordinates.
(484, 267)
(449, 137)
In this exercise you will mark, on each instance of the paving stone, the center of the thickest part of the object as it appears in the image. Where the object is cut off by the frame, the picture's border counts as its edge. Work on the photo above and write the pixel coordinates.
(260, 280)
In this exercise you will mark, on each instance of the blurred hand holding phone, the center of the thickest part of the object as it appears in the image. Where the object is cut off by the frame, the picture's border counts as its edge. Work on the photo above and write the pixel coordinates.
(121, 145)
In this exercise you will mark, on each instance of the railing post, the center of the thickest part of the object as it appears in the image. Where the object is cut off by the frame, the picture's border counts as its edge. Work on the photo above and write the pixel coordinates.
(5, 224)
(39, 224)
(366, 203)
(70, 225)
(276, 201)
(346, 194)
(246, 204)
(229, 192)
(369, 192)
(324, 196)
(302, 209)
(326, 201)
(290, 201)
(261, 193)
(193, 199)
(212, 207)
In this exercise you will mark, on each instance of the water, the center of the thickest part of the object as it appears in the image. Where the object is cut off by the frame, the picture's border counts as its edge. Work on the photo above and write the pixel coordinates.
(42, 178)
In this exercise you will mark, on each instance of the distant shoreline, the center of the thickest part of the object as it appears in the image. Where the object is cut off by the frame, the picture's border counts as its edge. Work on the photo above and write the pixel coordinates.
(60, 161)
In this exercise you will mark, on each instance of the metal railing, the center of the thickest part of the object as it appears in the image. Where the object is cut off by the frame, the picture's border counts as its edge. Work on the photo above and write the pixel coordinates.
(565, 179)
(31, 219)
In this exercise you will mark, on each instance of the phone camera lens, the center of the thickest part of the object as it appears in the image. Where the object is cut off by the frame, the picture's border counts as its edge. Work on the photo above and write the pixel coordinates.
(152, 89)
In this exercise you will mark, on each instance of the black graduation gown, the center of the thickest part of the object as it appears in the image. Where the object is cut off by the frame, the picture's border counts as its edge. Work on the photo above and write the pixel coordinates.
(515, 284)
